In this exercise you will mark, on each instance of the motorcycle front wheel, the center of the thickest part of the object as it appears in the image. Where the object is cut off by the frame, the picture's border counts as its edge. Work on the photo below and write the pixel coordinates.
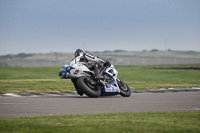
(124, 89)
(88, 88)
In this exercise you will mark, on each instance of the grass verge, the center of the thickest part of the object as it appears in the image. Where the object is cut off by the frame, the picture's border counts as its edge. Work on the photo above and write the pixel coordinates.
(45, 79)
(118, 123)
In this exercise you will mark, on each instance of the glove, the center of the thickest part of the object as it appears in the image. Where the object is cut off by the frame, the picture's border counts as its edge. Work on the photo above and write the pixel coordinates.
(107, 64)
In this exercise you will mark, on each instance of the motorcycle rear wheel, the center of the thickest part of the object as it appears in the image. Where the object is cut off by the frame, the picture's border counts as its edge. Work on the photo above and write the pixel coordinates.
(89, 89)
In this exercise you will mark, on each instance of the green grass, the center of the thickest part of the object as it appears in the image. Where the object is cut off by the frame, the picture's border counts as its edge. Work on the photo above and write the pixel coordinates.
(35, 85)
(141, 79)
(168, 66)
(11, 73)
(45, 79)
(165, 122)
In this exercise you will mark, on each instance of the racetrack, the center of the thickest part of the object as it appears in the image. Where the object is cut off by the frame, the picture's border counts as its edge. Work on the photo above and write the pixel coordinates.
(74, 104)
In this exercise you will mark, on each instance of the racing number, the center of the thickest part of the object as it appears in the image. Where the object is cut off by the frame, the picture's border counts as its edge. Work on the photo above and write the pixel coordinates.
(76, 72)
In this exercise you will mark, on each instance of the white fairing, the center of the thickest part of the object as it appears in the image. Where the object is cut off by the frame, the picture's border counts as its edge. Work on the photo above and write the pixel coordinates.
(115, 72)
(113, 87)
(77, 70)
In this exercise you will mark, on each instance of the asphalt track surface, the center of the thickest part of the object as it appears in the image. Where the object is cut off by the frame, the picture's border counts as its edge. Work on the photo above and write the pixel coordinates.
(74, 104)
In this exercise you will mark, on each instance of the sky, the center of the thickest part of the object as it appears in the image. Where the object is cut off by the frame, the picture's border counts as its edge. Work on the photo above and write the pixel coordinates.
(42, 26)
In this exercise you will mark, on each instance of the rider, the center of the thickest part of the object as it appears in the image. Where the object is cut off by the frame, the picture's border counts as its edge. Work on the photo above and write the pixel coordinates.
(92, 62)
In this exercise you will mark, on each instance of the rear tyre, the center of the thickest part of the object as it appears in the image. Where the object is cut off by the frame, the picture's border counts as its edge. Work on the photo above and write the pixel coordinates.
(124, 89)
(89, 89)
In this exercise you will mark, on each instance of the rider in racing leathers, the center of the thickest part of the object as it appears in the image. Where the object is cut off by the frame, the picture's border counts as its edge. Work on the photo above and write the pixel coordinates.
(92, 62)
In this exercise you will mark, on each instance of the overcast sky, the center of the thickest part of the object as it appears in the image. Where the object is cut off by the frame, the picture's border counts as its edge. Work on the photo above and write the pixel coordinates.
(33, 26)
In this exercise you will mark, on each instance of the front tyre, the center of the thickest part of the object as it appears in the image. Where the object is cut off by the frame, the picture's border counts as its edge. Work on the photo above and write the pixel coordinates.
(88, 88)
(124, 89)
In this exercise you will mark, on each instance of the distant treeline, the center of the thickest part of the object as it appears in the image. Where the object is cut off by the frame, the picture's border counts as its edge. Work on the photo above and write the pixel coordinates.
(24, 55)
(116, 57)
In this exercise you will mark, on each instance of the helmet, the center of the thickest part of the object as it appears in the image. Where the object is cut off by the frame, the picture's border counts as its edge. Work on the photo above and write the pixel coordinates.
(78, 51)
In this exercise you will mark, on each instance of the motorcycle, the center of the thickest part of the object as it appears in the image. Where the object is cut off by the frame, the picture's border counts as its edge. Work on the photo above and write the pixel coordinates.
(85, 82)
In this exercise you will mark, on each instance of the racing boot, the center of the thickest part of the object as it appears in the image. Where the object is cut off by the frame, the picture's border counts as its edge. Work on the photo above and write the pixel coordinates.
(96, 71)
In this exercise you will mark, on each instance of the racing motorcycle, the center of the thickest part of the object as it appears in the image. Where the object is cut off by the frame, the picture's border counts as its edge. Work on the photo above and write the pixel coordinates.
(85, 82)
